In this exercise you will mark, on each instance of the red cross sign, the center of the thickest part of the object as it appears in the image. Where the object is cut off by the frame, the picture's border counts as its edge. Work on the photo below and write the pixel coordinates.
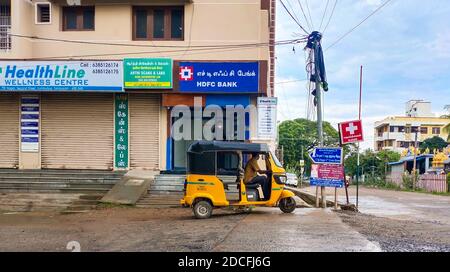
(351, 132)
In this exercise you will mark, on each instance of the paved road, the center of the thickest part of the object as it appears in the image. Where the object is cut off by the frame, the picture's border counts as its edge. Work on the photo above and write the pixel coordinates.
(398, 205)
(305, 230)
(394, 221)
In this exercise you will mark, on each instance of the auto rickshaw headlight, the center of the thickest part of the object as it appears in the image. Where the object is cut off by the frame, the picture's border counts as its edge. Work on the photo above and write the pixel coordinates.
(280, 179)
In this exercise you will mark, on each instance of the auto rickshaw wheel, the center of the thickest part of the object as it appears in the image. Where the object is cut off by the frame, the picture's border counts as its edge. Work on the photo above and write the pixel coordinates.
(287, 205)
(202, 209)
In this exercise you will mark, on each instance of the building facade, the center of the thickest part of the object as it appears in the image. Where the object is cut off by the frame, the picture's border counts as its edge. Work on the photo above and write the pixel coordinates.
(399, 133)
(93, 84)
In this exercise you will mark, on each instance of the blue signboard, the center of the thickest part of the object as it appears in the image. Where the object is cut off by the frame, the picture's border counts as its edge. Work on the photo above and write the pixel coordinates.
(326, 155)
(219, 77)
(43, 76)
(335, 183)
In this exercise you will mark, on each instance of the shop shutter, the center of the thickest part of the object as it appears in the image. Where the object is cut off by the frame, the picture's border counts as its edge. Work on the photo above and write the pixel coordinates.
(144, 131)
(77, 131)
(9, 131)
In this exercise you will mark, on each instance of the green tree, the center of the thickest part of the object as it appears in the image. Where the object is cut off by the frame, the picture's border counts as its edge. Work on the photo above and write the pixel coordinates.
(371, 162)
(302, 133)
(433, 143)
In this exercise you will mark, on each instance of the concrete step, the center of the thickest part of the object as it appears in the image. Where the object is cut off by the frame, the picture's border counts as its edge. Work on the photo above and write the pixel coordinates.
(82, 190)
(162, 200)
(37, 202)
(44, 184)
(62, 172)
(95, 197)
(80, 208)
(25, 202)
(68, 179)
(156, 187)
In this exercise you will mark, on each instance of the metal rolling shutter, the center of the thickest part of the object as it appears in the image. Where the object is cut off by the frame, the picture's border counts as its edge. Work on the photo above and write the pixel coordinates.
(144, 130)
(77, 131)
(9, 131)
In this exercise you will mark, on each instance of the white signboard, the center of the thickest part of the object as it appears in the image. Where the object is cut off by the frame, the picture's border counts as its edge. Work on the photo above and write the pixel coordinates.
(29, 123)
(267, 118)
(96, 76)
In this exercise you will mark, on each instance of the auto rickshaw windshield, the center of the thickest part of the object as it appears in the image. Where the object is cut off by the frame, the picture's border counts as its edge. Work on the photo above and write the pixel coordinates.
(275, 159)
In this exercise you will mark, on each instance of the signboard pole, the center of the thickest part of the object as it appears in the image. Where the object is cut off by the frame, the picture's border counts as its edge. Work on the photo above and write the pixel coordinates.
(302, 168)
(335, 199)
(347, 184)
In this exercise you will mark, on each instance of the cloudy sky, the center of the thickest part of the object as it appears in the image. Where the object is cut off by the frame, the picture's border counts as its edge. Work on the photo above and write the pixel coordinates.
(404, 48)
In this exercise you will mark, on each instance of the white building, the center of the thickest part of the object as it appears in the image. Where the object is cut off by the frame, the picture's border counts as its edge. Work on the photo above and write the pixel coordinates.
(398, 133)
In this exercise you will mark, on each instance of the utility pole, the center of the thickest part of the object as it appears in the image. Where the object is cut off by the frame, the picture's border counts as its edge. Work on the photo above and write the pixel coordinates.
(359, 118)
(415, 162)
(319, 112)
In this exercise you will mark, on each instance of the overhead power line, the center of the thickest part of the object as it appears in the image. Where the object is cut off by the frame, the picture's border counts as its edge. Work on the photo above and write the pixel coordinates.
(139, 45)
(331, 16)
(353, 29)
(293, 10)
(290, 81)
(324, 13)
(309, 13)
(293, 18)
(304, 14)
(165, 53)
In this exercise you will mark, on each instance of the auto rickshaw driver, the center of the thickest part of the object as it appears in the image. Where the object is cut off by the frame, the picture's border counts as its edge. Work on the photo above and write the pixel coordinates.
(254, 175)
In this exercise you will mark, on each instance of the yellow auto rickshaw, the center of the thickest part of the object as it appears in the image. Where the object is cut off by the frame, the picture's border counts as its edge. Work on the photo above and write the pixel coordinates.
(215, 167)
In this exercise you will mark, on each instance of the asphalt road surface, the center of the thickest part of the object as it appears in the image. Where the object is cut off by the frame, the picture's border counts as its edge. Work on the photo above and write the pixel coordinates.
(391, 221)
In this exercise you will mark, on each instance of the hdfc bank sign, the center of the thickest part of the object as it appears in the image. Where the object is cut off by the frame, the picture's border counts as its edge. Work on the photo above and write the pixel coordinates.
(226, 77)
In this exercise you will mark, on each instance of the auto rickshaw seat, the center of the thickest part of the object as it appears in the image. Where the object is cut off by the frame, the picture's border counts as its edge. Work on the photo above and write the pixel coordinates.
(252, 186)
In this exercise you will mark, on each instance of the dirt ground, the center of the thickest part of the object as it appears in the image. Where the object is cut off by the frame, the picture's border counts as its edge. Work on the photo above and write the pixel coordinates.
(114, 229)
(400, 235)
(389, 221)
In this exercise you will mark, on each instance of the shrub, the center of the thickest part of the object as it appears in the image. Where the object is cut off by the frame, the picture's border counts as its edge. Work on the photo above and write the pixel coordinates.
(407, 181)
(390, 185)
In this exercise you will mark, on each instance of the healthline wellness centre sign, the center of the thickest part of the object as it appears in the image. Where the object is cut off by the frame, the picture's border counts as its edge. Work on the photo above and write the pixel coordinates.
(148, 73)
(99, 76)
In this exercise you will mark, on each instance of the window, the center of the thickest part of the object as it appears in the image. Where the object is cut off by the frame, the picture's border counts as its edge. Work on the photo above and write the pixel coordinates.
(5, 27)
(392, 129)
(78, 18)
(158, 23)
(436, 130)
(43, 13)
(424, 130)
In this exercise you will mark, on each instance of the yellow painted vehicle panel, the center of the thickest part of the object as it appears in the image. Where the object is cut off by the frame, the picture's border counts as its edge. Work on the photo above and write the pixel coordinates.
(205, 186)
(203, 192)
